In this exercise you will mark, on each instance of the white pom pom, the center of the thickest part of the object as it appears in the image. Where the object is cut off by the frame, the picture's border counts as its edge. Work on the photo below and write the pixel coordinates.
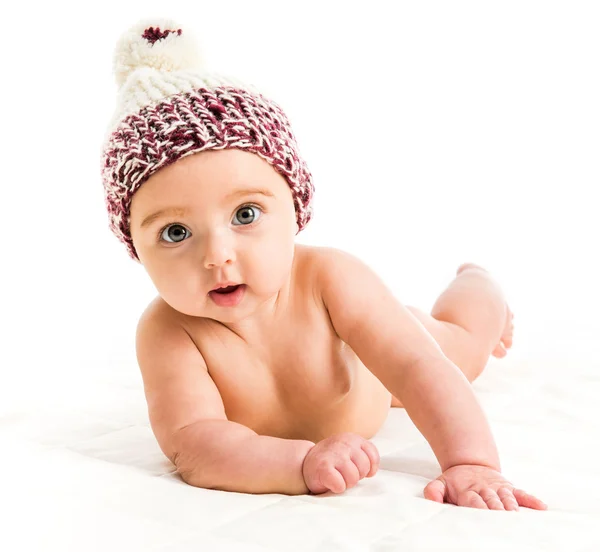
(159, 43)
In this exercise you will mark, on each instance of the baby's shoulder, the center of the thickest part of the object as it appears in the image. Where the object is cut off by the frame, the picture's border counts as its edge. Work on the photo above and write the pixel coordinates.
(310, 264)
(321, 265)
(159, 318)
(158, 312)
(314, 259)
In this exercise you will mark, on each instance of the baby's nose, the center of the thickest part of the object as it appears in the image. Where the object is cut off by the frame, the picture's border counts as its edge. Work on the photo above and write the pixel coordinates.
(219, 252)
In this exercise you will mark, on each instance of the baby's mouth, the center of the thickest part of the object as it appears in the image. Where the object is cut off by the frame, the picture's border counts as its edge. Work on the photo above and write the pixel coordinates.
(228, 289)
(229, 296)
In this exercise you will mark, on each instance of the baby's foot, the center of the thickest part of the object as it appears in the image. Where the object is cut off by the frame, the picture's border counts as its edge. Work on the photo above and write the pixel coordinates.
(507, 336)
(506, 340)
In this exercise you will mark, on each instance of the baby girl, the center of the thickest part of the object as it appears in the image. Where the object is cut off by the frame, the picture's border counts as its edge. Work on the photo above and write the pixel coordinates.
(268, 365)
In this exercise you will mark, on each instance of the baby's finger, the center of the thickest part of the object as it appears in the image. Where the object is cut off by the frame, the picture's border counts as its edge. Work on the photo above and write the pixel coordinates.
(435, 490)
(349, 472)
(471, 499)
(373, 454)
(491, 499)
(529, 501)
(333, 480)
(362, 462)
(508, 499)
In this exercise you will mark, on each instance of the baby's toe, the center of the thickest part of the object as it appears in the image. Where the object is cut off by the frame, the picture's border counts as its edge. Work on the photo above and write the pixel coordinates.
(469, 266)
(499, 351)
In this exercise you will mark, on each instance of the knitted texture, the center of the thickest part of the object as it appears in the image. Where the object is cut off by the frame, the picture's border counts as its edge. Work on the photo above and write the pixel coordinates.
(167, 110)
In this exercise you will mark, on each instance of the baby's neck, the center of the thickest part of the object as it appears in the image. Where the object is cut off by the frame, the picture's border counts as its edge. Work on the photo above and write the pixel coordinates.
(256, 328)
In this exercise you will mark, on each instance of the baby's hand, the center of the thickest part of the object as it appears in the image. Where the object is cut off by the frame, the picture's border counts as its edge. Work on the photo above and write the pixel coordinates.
(339, 462)
(479, 487)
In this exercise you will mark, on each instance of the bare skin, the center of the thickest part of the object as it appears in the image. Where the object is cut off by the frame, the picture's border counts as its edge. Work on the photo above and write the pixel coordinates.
(460, 323)
(274, 387)
(275, 364)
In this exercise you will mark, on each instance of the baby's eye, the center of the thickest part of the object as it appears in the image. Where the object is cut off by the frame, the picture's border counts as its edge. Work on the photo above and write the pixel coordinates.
(174, 233)
(246, 215)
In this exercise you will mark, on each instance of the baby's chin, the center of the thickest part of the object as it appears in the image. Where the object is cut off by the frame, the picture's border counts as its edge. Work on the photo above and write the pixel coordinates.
(213, 306)
(226, 310)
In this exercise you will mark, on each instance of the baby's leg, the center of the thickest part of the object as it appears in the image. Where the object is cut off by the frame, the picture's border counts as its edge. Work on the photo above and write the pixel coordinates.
(470, 320)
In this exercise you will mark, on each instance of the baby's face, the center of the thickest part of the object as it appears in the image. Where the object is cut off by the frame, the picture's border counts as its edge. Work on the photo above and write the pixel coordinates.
(225, 215)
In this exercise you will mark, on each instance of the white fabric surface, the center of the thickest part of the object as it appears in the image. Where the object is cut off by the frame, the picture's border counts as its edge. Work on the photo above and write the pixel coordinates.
(84, 472)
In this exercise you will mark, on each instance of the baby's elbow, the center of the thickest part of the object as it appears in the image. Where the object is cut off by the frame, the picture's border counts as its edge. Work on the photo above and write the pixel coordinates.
(190, 476)
(193, 475)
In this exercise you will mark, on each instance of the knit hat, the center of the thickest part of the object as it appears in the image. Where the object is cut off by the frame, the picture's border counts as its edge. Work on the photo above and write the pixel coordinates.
(169, 106)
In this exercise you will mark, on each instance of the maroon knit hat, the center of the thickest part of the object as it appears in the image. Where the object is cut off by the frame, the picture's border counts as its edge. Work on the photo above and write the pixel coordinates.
(169, 107)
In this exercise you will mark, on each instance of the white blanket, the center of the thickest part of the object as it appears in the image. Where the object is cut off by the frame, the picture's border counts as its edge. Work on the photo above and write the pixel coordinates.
(87, 475)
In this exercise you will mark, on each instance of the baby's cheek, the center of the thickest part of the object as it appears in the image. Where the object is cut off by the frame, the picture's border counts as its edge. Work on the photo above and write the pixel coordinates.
(272, 264)
(184, 294)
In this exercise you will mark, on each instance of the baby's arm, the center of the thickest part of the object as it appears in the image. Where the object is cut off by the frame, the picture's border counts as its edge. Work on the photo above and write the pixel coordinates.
(393, 344)
(224, 455)
(188, 419)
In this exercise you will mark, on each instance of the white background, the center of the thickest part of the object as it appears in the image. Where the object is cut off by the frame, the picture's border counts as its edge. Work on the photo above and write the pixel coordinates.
(436, 132)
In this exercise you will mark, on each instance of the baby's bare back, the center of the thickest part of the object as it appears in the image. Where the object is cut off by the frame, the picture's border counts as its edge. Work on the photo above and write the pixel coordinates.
(299, 381)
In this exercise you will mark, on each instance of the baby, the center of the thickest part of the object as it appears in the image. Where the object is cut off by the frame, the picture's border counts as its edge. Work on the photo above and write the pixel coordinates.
(268, 365)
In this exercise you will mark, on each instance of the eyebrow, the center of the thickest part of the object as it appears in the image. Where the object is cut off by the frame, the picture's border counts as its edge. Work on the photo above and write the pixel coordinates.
(180, 211)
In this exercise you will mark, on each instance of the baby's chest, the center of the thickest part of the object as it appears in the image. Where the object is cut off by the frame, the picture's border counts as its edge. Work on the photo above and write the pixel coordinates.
(301, 381)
